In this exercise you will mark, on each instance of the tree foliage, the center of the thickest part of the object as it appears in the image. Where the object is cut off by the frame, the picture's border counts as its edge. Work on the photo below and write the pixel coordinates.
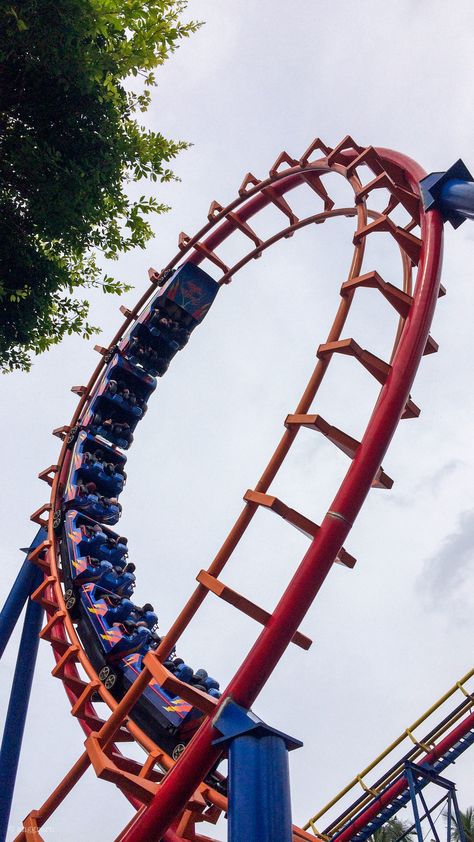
(70, 142)
(391, 831)
(467, 824)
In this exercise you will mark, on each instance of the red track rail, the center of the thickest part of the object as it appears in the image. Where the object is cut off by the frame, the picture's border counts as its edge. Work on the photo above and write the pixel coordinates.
(196, 761)
(167, 800)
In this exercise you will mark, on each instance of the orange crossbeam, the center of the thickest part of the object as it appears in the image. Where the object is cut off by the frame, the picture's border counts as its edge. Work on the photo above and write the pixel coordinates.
(36, 516)
(45, 475)
(175, 687)
(245, 605)
(185, 239)
(245, 228)
(342, 440)
(431, 346)
(400, 300)
(299, 521)
(377, 367)
(411, 409)
(410, 244)
(39, 594)
(46, 632)
(281, 204)
(71, 654)
(81, 710)
(283, 158)
(105, 768)
(409, 200)
(346, 143)
(316, 146)
(317, 185)
(39, 556)
(61, 432)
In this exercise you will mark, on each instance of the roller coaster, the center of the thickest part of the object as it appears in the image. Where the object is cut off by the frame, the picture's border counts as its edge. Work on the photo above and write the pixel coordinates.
(77, 571)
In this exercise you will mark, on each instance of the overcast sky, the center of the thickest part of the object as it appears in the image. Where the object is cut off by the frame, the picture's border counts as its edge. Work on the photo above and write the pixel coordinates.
(392, 635)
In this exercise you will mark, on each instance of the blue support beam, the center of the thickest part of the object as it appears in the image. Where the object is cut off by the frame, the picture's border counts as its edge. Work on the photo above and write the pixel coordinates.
(258, 775)
(21, 589)
(28, 579)
(451, 192)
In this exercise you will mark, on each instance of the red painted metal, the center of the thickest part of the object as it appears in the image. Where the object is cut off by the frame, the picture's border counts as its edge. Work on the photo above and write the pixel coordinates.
(402, 784)
(196, 761)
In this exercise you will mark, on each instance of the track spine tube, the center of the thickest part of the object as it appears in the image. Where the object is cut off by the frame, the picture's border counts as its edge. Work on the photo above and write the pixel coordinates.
(200, 755)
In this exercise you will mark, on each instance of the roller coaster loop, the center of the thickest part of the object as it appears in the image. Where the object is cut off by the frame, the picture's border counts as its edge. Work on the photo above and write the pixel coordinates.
(172, 794)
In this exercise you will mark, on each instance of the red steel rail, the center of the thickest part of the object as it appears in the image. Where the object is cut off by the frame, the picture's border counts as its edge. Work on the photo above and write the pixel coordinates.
(168, 796)
(255, 670)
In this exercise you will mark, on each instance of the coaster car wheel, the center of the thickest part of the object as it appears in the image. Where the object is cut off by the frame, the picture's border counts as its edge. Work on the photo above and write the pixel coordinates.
(57, 520)
(107, 676)
(178, 750)
(70, 602)
(72, 435)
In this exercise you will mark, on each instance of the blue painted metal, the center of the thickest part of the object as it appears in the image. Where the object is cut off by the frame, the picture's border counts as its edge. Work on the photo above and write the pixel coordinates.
(27, 580)
(418, 777)
(416, 815)
(451, 192)
(258, 775)
(21, 589)
(403, 799)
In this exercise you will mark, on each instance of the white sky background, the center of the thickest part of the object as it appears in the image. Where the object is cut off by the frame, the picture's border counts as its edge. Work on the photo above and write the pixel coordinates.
(391, 636)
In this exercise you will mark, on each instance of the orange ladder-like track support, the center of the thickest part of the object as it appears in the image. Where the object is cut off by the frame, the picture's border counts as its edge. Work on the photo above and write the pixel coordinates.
(179, 797)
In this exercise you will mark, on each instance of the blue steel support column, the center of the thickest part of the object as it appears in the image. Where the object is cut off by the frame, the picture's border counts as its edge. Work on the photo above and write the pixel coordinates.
(414, 804)
(21, 589)
(29, 578)
(18, 707)
(258, 775)
(427, 774)
(453, 802)
(450, 192)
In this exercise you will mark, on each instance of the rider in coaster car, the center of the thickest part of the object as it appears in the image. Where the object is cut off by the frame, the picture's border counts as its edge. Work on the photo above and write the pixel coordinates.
(92, 539)
(122, 584)
(92, 463)
(147, 357)
(111, 480)
(111, 505)
(145, 616)
(89, 501)
(203, 681)
(182, 671)
(124, 611)
(130, 400)
(119, 609)
(200, 679)
(116, 431)
(115, 551)
(87, 494)
(134, 640)
(161, 321)
(157, 365)
(180, 334)
(122, 433)
(94, 572)
(98, 457)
